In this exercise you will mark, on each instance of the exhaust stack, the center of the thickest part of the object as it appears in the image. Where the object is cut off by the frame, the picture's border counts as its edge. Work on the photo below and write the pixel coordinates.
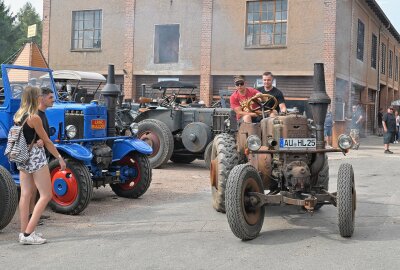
(319, 101)
(111, 92)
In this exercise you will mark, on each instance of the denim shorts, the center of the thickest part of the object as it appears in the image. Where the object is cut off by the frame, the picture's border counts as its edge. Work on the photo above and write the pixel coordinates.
(388, 137)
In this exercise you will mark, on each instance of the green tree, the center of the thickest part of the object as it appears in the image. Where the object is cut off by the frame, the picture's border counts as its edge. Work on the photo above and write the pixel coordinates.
(8, 33)
(27, 16)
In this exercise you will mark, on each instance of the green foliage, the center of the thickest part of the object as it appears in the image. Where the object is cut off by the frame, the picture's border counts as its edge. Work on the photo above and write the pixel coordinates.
(14, 29)
(8, 33)
(27, 16)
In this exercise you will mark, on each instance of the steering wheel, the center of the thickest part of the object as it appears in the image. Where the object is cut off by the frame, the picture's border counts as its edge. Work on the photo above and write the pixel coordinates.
(167, 101)
(261, 104)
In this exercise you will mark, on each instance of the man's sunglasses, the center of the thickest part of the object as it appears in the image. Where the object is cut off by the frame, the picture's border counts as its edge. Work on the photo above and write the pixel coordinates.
(239, 83)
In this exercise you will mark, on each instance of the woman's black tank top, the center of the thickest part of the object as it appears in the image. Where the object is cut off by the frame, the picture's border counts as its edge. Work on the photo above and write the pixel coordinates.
(29, 133)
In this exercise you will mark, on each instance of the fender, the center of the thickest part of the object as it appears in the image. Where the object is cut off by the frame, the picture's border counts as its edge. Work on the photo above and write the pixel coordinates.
(122, 147)
(76, 151)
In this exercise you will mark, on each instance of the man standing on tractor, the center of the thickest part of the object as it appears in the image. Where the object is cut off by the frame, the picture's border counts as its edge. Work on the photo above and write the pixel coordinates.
(268, 88)
(239, 98)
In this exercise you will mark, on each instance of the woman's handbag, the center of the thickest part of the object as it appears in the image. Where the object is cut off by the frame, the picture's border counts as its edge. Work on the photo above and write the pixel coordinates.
(17, 149)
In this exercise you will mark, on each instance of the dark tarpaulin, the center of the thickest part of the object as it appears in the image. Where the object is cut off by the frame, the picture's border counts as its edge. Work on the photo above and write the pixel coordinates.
(172, 84)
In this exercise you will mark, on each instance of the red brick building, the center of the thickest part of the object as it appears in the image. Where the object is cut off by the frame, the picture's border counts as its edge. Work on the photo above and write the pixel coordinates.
(207, 41)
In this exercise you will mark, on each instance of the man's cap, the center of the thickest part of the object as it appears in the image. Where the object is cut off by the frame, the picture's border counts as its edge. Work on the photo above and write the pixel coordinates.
(391, 107)
(238, 78)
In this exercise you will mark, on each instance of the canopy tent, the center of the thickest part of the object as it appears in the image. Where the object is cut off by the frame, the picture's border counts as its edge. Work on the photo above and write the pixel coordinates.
(83, 76)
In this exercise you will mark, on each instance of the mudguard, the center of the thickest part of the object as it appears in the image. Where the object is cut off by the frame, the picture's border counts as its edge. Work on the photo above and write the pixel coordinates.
(76, 151)
(122, 147)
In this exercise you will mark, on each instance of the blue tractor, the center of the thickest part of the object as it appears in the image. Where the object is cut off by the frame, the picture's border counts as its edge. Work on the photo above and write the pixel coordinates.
(85, 135)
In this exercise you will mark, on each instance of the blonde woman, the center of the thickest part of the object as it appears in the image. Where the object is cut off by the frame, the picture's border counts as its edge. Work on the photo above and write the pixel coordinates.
(35, 172)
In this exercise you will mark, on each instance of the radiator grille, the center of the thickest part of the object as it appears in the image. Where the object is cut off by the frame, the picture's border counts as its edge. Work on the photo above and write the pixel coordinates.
(75, 117)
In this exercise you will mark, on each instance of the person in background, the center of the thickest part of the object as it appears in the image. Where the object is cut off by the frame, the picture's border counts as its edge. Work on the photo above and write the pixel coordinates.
(239, 98)
(35, 172)
(355, 126)
(268, 88)
(397, 137)
(389, 129)
(46, 100)
(380, 127)
(328, 128)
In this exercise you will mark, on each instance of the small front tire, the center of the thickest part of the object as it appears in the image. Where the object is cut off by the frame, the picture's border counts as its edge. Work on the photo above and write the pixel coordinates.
(346, 200)
(245, 220)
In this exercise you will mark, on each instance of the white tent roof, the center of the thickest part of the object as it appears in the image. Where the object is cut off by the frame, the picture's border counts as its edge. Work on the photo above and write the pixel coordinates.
(77, 75)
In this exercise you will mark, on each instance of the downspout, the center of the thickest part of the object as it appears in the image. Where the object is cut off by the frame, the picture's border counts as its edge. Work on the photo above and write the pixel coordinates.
(378, 83)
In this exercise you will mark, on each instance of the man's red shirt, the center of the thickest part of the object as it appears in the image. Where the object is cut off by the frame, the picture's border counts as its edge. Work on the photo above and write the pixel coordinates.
(237, 99)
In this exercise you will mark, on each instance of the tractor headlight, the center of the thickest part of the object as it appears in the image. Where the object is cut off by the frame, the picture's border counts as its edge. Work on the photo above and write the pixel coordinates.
(345, 142)
(228, 123)
(134, 127)
(253, 142)
(70, 131)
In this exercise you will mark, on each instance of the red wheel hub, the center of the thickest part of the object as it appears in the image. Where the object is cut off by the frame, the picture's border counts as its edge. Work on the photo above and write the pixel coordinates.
(64, 186)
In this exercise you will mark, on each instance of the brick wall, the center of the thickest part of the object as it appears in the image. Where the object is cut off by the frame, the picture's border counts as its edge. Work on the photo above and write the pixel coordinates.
(129, 79)
(205, 58)
(46, 29)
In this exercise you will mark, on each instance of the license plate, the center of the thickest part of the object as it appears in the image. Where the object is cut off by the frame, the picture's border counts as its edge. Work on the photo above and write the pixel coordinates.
(298, 143)
(98, 124)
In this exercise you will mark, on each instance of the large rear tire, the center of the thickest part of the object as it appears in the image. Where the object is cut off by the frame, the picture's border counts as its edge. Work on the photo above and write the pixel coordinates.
(223, 158)
(346, 200)
(72, 188)
(8, 197)
(136, 169)
(244, 219)
(157, 134)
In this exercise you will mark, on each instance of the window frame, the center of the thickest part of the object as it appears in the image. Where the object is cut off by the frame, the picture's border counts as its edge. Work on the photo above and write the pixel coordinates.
(156, 56)
(374, 50)
(390, 64)
(265, 24)
(383, 58)
(360, 40)
(83, 30)
(396, 67)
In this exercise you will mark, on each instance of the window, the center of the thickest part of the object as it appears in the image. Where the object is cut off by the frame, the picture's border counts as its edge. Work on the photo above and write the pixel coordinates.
(86, 29)
(396, 68)
(390, 63)
(166, 44)
(266, 23)
(374, 45)
(383, 58)
(360, 41)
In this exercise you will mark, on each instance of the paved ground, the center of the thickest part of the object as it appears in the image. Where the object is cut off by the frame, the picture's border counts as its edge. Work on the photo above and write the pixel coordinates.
(173, 226)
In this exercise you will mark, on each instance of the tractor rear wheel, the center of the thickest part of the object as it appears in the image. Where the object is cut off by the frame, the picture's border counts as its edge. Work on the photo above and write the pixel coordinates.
(244, 218)
(72, 188)
(157, 134)
(8, 197)
(135, 169)
(346, 200)
(223, 158)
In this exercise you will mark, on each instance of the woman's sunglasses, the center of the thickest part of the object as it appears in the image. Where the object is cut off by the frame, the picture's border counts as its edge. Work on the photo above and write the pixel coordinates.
(239, 83)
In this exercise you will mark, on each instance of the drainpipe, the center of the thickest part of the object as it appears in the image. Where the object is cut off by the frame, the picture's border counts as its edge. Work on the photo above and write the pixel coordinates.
(378, 84)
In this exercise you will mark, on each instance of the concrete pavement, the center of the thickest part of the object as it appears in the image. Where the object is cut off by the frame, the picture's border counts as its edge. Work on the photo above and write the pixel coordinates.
(180, 230)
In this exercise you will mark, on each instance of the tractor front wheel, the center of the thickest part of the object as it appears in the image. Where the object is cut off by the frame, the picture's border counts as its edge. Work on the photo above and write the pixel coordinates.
(157, 134)
(245, 219)
(72, 188)
(135, 170)
(346, 200)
